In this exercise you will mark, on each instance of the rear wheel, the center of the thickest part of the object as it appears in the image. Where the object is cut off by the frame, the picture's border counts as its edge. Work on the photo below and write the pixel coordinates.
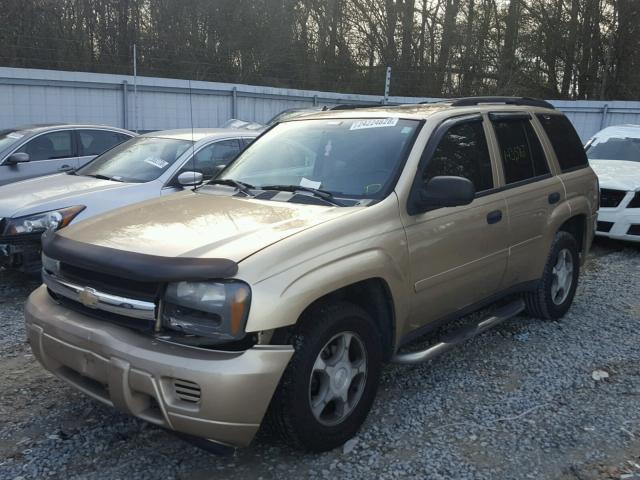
(330, 384)
(554, 294)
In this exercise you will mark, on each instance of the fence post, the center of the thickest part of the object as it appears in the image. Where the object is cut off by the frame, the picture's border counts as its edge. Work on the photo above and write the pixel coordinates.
(315, 100)
(125, 104)
(387, 86)
(234, 102)
(603, 119)
(135, 87)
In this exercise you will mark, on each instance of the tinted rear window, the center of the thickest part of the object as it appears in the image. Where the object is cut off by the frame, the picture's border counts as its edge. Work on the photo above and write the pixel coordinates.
(565, 141)
(522, 154)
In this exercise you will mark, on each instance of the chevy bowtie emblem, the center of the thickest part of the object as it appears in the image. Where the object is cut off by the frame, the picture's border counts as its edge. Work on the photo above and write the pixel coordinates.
(88, 297)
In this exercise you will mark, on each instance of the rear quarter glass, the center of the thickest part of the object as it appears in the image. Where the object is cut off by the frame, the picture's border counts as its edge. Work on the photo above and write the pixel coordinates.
(565, 141)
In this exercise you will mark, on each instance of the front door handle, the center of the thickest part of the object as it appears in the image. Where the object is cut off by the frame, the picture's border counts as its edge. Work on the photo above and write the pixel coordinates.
(554, 197)
(65, 168)
(494, 217)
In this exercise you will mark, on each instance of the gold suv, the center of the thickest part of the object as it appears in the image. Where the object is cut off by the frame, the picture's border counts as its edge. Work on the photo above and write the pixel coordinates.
(274, 293)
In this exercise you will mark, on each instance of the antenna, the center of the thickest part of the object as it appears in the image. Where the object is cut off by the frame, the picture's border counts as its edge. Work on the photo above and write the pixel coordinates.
(193, 145)
(135, 87)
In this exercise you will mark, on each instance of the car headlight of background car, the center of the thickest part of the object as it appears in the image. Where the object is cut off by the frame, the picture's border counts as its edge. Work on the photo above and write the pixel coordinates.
(39, 222)
(213, 309)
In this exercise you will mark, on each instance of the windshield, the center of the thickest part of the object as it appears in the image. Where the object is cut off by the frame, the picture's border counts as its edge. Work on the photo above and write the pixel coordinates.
(8, 138)
(615, 148)
(138, 160)
(352, 158)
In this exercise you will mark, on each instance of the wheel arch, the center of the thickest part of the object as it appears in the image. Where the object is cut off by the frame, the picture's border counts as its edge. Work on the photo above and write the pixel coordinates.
(576, 225)
(574, 216)
(374, 296)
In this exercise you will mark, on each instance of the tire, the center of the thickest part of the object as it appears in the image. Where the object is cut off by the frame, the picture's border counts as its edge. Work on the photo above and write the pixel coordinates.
(548, 301)
(304, 383)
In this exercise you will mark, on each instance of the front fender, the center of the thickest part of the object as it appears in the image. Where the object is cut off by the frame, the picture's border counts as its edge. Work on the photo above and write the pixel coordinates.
(282, 298)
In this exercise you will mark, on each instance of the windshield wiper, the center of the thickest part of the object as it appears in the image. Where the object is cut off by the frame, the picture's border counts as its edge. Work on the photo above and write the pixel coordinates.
(323, 194)
(104, 177)
(241, 186)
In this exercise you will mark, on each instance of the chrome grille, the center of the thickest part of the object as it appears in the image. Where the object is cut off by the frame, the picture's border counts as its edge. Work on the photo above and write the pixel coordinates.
(94, 299)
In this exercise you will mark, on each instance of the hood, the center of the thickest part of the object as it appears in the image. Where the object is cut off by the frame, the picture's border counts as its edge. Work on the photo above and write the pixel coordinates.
(617, 174)
(54, 191)
(200, 225)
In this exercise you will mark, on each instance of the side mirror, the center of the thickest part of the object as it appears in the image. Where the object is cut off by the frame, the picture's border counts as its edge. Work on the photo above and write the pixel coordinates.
(16, 158)
(443, 192)
(190, 179)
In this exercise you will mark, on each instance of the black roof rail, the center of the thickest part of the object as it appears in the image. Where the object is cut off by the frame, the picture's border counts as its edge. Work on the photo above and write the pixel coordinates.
(351, 106)
(531, 102)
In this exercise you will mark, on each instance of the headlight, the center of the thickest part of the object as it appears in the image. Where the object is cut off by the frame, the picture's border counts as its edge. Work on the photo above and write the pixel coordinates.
(214, 309)
(40, 222)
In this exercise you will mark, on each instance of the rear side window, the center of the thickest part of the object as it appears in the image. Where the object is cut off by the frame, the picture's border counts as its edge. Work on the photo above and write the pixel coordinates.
(522, 154)
(95, 142)
(463, 152)
(565, 141)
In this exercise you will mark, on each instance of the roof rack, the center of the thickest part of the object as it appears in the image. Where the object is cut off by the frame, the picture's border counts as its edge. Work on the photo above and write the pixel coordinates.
(351, 106)
(531, 102)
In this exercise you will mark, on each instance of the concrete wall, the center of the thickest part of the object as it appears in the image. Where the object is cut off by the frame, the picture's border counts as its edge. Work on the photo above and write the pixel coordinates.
(48, 96)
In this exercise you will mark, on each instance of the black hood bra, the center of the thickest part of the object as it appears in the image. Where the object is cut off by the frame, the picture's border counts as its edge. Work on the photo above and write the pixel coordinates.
(135, 266)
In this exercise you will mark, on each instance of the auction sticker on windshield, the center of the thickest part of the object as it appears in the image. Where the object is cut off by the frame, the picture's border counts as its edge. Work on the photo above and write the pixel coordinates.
(156, 162)
(374, 123)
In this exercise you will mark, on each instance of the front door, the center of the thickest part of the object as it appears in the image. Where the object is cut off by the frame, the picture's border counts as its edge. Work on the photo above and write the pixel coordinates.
(210, 160)
(458, 255)
(49, 153)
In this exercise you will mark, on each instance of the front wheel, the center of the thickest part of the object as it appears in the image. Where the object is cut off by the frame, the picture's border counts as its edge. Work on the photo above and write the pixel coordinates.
(330, 384)
(554, 293)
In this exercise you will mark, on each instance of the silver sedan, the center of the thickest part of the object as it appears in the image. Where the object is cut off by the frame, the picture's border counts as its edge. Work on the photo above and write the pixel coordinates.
(142, 168)
(36, 150)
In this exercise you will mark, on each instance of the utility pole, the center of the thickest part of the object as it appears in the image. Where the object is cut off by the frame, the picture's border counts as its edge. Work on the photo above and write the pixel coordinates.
(387, 85)
(135, 88)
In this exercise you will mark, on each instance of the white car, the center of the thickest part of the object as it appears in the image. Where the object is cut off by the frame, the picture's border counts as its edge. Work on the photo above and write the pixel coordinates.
(614, 154)
(145, 167)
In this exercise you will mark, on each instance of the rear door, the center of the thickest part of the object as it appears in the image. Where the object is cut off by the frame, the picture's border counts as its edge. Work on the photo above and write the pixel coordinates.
(531, 191)
(458, 254)
(93, 142)
(49, 153)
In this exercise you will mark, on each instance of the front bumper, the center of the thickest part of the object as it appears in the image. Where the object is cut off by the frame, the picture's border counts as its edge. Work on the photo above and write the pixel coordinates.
(221, 396)
(619, 223)
(21, 253)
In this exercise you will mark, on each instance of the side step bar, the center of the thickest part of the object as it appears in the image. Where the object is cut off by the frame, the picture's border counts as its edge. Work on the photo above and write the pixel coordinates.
(448, 342)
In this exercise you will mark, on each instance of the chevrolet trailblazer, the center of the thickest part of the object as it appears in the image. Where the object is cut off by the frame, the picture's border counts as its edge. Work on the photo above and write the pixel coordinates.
(274, 293)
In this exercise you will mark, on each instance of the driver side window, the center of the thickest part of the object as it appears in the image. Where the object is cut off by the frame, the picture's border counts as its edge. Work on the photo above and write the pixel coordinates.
(211, 159)
(49, 146)
(463, 152)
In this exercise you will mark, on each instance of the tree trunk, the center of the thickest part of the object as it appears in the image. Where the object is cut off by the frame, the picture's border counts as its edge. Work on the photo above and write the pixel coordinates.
(508, 57)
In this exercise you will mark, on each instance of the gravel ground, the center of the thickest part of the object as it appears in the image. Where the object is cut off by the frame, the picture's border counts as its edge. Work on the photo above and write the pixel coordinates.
(517, 402)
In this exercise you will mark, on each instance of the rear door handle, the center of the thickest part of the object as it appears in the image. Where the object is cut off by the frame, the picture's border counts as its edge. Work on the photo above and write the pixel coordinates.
(494, 217)
(554, 197)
